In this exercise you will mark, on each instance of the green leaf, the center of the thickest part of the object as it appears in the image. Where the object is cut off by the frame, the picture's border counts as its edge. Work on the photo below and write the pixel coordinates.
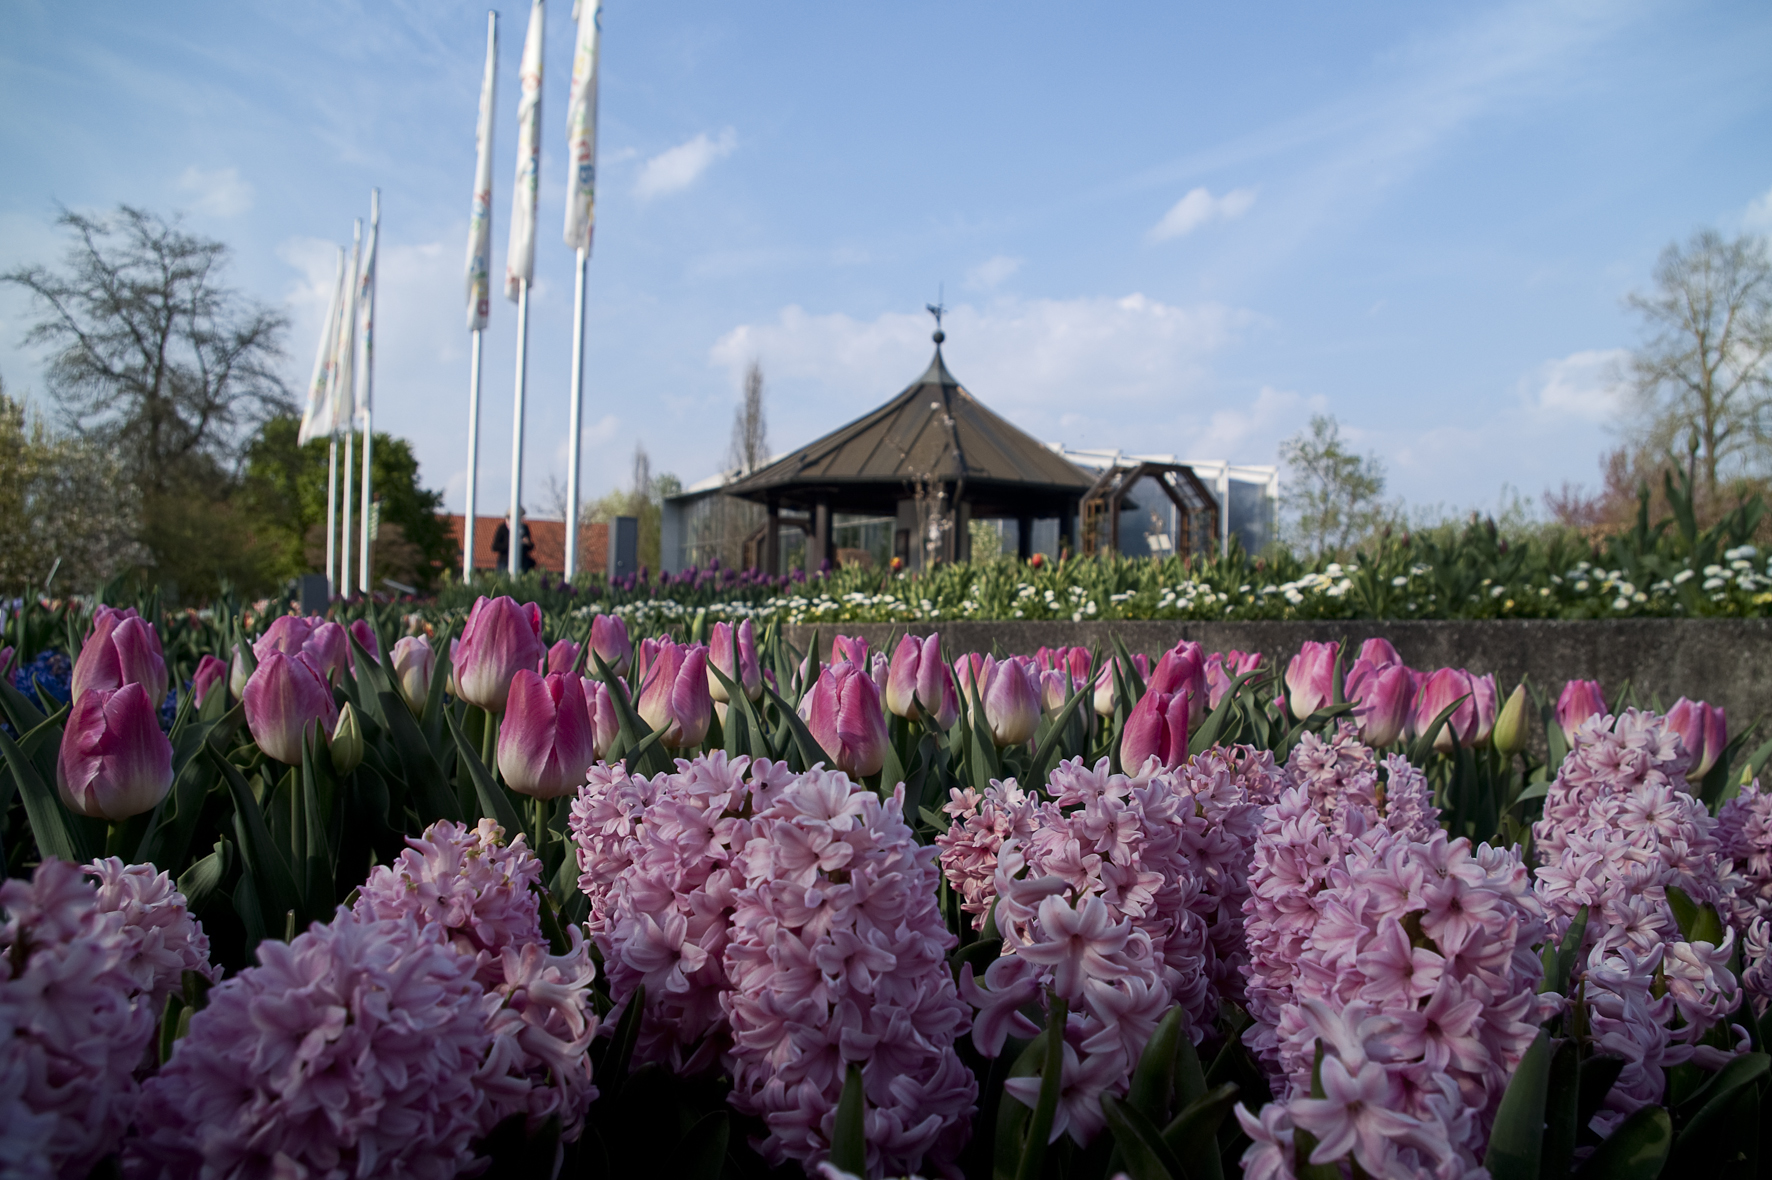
(1192, 1136)
(1743, 1070)
(612, 1071)
(1637, 1150)
(1560, 960)
(1207, 735)
(810, 750)
(1598, 1074)
(849, 1144)
(317, 864)
(494, 803)
(273, 883)
(1012, 1114)
(1033, 1150)
(702, 1153)
(1139, 1144)
(57, 830)
(1423, 749)
(550, 922)
(200, 882)
(1153, 1079)
(1041, 767)
(1685, 910)
(632, 728)
(1562, 1106)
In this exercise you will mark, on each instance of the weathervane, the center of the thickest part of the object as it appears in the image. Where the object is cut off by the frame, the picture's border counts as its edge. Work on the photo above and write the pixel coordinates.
(938, 309)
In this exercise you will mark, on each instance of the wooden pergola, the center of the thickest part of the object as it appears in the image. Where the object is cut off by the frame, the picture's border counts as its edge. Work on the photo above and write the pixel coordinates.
(1104, 499)
(934, 448)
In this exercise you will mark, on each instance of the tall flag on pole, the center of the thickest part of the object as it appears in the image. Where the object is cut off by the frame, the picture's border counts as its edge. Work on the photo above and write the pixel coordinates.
(365, 302)
(581, 127)
(316, 418)
(480, 222)
(520, 255)
(344, 368)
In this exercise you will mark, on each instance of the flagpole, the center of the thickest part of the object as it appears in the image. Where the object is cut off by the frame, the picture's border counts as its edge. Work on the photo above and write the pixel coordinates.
(467, 528)
(344, 559)
(578, 369)
(514, 555)
(369, 387)
(332, 515)
(347, 353)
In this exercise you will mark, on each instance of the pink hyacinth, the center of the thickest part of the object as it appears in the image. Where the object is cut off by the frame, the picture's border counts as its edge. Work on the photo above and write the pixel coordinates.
(161, 940)
(74, 1020)
(480, 891)
(373, 1065)
(838, 957)
(1619, 828)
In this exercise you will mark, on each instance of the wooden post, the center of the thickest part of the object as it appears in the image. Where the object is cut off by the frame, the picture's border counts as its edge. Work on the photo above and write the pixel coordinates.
(772, 539)
(818, 549)
(1024, 536)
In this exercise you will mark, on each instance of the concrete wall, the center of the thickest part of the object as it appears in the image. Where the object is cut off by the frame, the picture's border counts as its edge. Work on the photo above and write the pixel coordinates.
(1727, 662)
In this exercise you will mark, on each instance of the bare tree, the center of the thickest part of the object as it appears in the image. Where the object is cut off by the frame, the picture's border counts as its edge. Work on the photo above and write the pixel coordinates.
(1703, 377)
(1333, 494)
(750, 432)
(150, 353)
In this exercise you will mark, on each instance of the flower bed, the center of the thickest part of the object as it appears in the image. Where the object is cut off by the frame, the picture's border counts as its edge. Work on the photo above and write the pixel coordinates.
(470, 904)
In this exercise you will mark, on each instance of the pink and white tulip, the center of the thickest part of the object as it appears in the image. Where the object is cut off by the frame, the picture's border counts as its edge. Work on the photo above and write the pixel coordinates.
(1579, 700)
(121, 649)
(600, 707)
(1310, 678)
(1383, 696)
(1011, 701)
(1703, 730)
(844, 715)
(748, 673)
(286, 699)
(115, 762)
(609, 640)
(1222, 668)
(414, 663)
(501, 639)
(918, 684)
(210, 672)
(546, 740)
(673, 696)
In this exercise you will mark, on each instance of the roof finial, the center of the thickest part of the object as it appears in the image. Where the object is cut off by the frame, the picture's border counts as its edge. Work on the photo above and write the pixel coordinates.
(938, 309)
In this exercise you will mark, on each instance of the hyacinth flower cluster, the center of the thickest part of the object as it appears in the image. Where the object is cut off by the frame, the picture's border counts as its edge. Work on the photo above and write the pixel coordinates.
(83, 972)
(1619, 830)
(1119, 894)
(481, 891)
(783, 925)
(1744, 834)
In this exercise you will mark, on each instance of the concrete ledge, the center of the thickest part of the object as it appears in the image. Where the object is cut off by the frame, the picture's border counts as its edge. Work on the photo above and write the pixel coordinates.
(1727, 662)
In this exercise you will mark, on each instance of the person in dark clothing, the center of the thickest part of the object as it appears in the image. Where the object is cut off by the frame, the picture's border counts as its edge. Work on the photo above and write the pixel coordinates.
(501, 546)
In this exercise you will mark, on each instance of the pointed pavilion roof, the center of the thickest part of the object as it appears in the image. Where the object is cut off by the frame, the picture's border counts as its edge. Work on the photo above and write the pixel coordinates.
(934, 430)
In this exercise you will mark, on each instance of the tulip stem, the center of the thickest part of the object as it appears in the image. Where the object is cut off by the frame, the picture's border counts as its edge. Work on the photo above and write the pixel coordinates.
(489, 743)
(539, 810)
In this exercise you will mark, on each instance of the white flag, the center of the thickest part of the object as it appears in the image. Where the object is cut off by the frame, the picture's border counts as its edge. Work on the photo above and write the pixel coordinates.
(366, 324)
(344, 369)
(480, 221)
(316, 418)
(581, 127)
(520, 254)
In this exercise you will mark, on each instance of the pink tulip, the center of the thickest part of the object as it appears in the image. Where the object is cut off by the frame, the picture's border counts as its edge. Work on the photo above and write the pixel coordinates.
(1183, 669)
(844, 714)
(330, 646)
(1073, 660)
(1703, 730)
(1055, 690)
(1223, 669)
(850, 648)
(1011, 703)
(918, 684)
(673, 697)
(287, 634)
(210, 672)
(286, 698)
(749, 673)
(1579, 700)
(1474, 719)
(609, 639)
(1106, 698)
(1382, 697)
(546, 740)
(414, 663)
(600, 707)
(365, 635)
(972, 672)
(114, 760)
(501, 638)
(1310, 678)
(121, 649)
(563, 657)
(1379, 653)
(1157, 728)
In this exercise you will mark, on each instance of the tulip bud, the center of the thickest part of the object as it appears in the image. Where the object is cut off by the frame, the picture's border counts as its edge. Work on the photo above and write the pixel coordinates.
(1106, 695)
(210, 672)
(287, 634)
(115, 762)
(1510, 723)
(1579, 700)
(367, 638)
(546, 740)
(1379, 652)
(1011, 704)
(238, 673)
(1382, 697)
(600, 706)
(609, 639)
(563, 657)
(122, 649)
(673, 697)
(850, 648)
(330, 647)
(1703, 730)
(1310, 678)
(844, 715)
(1438, 690)
(286, 698)
(347, 741)
(918, 686)
(972, 672)
(748, 674)
(1483, 696)
(1156, 728)
(1183, 669)
(500, 639)
(414, 663)
(1055, 690)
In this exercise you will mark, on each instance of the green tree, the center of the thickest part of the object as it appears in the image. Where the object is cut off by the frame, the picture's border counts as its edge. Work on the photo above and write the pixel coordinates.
(284, 489)
(1334, 497)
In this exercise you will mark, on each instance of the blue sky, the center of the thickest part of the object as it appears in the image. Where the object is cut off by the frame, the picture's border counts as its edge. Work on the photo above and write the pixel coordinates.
(1161, 227)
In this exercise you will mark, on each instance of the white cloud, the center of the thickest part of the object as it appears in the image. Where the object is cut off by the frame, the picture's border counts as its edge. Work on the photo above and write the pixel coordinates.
(675, 169)
(992, 272)
(1199, 207)
(220, 193)
(1758, 216)
(1587, 385)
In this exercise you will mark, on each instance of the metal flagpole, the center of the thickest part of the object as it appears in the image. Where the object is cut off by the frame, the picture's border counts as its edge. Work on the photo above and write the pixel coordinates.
(345, 589)
(347, 365)
(479, 282)
(467, 528)
(514, 555)
(578, 371)
(368, 314)
(332, 515)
